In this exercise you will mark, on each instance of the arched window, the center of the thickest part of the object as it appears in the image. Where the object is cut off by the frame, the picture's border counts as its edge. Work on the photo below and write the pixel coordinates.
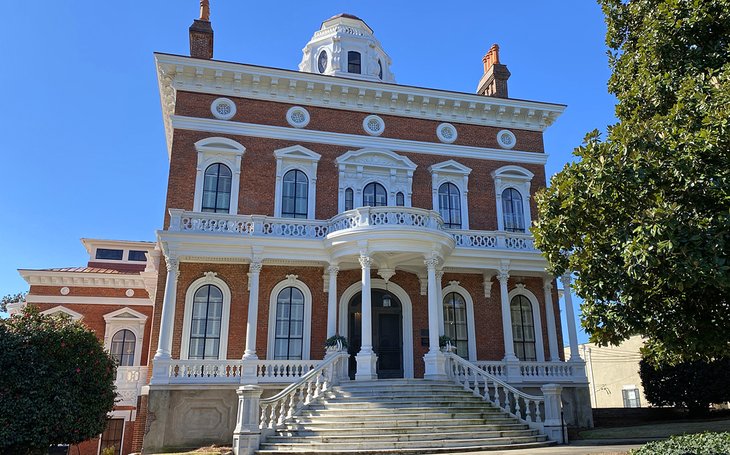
(205, 326)
(450, 205)
(380, 69)
(374, 195)
(523, 328)
(400, 199)
(289, 334)
(294, 194)
(349, 199)
(122, 348)
(217, 189)
(455, 323)
(353, 62)
(512, 210)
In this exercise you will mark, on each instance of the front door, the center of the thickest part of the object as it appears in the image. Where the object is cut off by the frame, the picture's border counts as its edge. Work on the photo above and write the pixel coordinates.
(386, 330)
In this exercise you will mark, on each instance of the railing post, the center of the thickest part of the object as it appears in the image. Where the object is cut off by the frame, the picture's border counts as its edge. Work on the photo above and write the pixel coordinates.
(175, 219)
(553, 407)
(258, 224)
(247, 435)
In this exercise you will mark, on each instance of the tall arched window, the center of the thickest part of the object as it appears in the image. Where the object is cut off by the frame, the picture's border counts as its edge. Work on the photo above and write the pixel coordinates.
(349, 199)
(294, 194)
(205, 329)
(523, 328)
(353, 62)
(122, 349)
(289, 335)
(374, 195)
(512, 210)
(455, 323)
(450, 205)
(217, 189)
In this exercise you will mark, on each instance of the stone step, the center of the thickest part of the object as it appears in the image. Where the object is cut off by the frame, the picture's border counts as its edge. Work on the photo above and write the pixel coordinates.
(396, 445)
(397, 401)
(346, 406)
(405, 394)
(400, 415)
(415, 407)
(401, 423)
(423, 436)
(406, 451)
(366, 432)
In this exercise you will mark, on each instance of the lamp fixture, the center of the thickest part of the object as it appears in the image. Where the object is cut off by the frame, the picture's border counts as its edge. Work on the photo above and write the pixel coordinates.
(386, 297)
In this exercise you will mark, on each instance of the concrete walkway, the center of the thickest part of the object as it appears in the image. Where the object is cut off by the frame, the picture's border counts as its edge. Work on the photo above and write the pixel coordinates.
(594, 447)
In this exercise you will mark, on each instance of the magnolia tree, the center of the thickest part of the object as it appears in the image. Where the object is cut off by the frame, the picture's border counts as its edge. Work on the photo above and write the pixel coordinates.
(643, 216)
(56, 383)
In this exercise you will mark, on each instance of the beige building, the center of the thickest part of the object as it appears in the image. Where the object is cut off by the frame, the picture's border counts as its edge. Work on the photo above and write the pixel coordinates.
(613, 373)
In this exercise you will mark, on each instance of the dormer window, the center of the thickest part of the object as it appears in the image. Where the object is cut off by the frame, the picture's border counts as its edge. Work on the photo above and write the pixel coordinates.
(322, 62)
(380, 70)
(109, 254)
(353, 62)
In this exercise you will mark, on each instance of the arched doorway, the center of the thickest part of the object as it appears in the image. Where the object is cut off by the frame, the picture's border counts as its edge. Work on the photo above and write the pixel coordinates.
(387, 317)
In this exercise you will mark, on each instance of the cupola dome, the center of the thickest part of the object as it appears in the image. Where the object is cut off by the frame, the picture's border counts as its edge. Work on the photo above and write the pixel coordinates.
(345, 46)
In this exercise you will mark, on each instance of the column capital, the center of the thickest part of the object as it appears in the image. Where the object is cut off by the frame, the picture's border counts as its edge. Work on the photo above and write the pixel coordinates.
(547, 283)
(255, 266)
(173, 264)
(440, 275)
(333, 269)
(432, 261)
(365, 261)
(565, 279)
(503, 276)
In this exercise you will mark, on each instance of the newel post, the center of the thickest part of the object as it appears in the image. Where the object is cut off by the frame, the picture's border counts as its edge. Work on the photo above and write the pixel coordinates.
(247, 435)
(553, 425)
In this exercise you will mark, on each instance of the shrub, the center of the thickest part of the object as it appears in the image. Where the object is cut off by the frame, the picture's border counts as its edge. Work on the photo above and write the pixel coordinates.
(56, 385)
(690, 444)
(332, 341)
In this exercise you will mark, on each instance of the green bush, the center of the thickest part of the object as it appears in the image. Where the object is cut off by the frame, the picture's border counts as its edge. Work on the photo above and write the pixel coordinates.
(56, 383)
(691, 444)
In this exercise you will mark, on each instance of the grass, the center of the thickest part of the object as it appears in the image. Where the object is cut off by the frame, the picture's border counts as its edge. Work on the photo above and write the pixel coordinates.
(657, 430)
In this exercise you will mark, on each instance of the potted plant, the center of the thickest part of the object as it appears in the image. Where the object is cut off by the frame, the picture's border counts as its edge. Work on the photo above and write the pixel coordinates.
(336, 343)
(446, 343)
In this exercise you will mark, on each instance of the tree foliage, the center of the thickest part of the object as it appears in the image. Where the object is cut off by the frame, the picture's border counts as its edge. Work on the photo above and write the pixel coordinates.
(643, 218)
(56, 383)
(693, 385)
(11, 298)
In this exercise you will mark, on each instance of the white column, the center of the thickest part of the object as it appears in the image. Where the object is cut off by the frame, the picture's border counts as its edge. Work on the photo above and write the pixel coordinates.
(440, 298)
(570, 317)
(254, 269)
(167, 319)
(509, 346)
(332, 301)
(547, 285)
(366, 358)
(435, 360)
(161, 360)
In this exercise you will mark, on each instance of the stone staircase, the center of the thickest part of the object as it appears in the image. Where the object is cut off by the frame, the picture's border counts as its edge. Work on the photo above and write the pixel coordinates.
(408, 416)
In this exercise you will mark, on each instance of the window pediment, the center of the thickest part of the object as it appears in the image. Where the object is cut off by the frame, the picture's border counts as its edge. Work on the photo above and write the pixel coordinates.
(377, 159)
(125, 314)
(297, 152)
(450, 167)
(63, 310)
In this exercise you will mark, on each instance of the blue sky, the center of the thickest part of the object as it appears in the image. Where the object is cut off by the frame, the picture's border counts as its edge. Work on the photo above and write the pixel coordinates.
(83, 151)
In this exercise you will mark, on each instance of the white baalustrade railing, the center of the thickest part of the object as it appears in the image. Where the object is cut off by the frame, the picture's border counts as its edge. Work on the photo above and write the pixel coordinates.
(536, 372)
(231, 371)
(129, 384)
(362, 217)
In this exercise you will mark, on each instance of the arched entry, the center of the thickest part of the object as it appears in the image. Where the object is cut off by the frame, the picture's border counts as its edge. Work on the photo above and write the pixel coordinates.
(398, 294)
(386, 330)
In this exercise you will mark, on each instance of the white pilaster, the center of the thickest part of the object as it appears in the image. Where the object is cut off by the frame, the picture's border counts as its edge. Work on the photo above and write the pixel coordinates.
(509, 345)
(440, 298)
(366, 358)
(570, 317)
(332, 270)
(167, 320)
(435, 360)
(547, 285)
(254, 270)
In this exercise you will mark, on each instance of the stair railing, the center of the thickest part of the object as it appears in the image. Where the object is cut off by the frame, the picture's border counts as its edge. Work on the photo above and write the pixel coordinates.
(276, 410)
(539, 412)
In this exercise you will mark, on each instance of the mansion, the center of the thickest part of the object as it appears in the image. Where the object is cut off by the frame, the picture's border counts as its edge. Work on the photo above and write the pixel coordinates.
(329, 203)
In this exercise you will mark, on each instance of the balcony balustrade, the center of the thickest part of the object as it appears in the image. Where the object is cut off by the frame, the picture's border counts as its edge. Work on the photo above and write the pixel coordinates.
(359, 218)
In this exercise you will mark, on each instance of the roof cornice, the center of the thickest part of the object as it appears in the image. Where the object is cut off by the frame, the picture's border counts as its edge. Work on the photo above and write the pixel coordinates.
(97, 280)
(239, 80)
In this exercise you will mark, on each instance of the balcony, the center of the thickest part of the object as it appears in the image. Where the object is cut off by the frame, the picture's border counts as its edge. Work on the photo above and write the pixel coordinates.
(349, 224)
(129, 383)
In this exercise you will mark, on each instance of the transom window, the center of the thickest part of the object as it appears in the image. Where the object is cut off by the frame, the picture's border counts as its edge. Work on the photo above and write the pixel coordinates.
(374, 195)
(122, 348)
(523, 328)
(294, 195)
(349, 199)
(353, 62)
(450, 205)
(289, 335)
(217, 189)
(455, 323)
(205, 330)
(513, 211)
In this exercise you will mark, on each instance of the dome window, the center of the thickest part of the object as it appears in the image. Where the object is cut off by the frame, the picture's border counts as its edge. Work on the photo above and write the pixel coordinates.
(322, 62)
(380, 70)
(353, 62)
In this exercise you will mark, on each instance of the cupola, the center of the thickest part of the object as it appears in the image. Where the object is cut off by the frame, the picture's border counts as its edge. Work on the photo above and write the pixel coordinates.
(345, 46)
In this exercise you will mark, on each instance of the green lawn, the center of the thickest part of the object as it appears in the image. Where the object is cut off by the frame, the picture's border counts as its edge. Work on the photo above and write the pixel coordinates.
(656, 430)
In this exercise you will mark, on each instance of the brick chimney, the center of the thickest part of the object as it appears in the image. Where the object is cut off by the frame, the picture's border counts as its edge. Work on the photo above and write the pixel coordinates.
(201, 34)
(494, 81)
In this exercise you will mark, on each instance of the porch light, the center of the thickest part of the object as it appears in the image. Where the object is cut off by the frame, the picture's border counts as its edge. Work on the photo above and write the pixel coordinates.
(386, 301)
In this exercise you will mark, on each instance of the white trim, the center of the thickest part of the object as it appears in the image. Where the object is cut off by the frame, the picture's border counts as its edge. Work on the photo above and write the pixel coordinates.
(212, 150)
(375, 120)
(135, 324)
(451, 171)
(62, 309)
(537, 319)
(303, 159)
(510, 142)
(470, 323)
(290, 116)
(70, 299)
(407, 316)
(82, 279)
(208, 278)
(518, 178)
(231, 106)
(290, 281)
(440, 133)
(355, 140)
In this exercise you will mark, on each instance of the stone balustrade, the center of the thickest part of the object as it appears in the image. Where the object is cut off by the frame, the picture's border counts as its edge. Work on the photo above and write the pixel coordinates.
(129, 382)
(539, 372)
(231, 371)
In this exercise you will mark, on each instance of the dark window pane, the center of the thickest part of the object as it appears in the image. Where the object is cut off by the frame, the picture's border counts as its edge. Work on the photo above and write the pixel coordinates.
(289, 330)
(205, 326)
(380, 70)
(294, 203)
(455, 323)
(122, 348)
(513, 211)
(374, 195)
(523, 328)
(105, 253)
(353, 62)
(217, 189)
(400, 200)
(136, 255)
(112, 435)
(349, 199)
(450, 205)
